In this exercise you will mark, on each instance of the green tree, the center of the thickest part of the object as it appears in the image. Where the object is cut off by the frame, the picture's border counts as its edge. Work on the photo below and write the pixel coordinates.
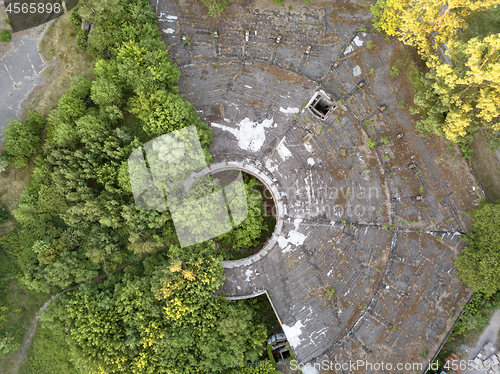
(159, 316)
(479, 263)
(106, 93)
(249, 232)
(163, 112)
(21, 140)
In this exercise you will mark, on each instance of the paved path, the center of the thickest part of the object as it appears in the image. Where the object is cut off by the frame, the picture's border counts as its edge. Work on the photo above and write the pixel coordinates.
(490, 334)
(20, 69)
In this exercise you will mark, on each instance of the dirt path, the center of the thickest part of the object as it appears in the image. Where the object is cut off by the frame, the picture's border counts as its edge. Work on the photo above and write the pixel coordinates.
(20, 355)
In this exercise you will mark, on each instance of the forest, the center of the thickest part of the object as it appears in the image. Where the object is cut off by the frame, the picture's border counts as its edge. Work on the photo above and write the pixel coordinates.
(129, 298)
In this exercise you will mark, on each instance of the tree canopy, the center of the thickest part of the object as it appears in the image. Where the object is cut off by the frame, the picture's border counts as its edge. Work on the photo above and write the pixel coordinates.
(479, 263)
(465, 95)
(139, 303)
(22, 139)
(461, 94)
(426, 24)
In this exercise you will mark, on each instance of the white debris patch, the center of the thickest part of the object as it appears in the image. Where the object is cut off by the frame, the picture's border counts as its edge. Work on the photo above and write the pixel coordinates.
(309, 369)
(283, 151)
(292, 333)
(294, 238)
(311, 161)
(358, 41)
(248, 274)
(348, 49)
(289, 110)
(251, 135)
(308, 147)
(296, 223)
(168, 31)
(356, 71)
(166, 18)
(272, 166)
(248, 86)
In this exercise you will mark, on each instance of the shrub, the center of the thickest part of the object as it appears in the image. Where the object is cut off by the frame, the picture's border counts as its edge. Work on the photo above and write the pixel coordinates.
(370, 44)
(370, 143)
(394, 71)
(4, 215)
(74, 18)
(330, 292)
(477, 314)
(5, 36)
(81, 39)
(279, 2)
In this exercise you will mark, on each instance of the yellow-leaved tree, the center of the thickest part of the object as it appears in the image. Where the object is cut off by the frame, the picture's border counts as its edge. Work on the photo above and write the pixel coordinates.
(426, 24)
(464, 96)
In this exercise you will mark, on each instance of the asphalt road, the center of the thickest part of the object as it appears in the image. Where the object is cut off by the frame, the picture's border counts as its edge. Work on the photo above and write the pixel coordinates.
(20, 69)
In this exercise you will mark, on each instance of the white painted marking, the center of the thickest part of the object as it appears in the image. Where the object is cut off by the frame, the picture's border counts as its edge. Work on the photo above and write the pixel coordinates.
(356, 71)
(289, 110)
(311, 161)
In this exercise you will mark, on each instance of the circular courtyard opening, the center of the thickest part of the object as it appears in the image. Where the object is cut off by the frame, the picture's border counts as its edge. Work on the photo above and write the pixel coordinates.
(251, 235)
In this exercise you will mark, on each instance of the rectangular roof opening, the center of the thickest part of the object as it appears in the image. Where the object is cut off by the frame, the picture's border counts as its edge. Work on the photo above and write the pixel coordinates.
(320, 105)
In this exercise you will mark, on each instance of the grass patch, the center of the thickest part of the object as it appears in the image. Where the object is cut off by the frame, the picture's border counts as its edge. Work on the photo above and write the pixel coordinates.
(17, 308)
(66, 61)
(330, 292)
(404, 66)
(12, 184)
(5, 36)
(486, 167)
(48, 353)
(395, 71)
